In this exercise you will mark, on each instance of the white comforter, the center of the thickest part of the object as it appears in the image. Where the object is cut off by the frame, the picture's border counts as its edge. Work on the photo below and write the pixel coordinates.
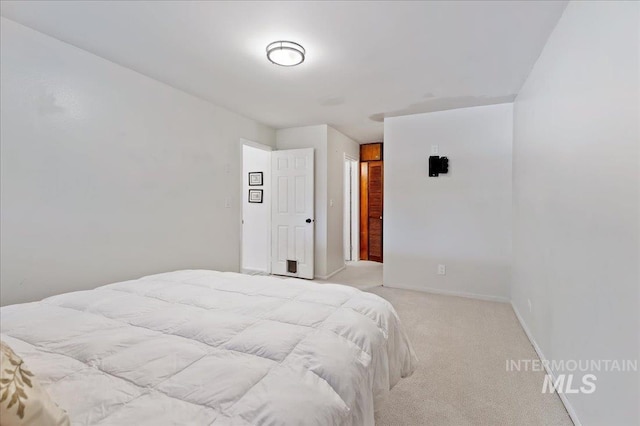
(205, 347)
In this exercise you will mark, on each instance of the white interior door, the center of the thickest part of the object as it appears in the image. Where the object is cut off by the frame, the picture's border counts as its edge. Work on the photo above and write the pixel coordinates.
(351, 210)
(346, 214)
(292, 213)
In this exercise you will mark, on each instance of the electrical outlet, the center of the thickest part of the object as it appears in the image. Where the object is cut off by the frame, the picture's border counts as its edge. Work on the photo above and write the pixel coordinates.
(529, 301)
(434, 149)
(227, 203)
(442, 270)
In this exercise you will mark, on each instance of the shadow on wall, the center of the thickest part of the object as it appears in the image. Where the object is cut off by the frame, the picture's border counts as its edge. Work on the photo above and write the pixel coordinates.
(443, 104)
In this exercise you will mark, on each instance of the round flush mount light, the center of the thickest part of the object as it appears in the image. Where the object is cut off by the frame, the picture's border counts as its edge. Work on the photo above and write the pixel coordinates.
(285, 53)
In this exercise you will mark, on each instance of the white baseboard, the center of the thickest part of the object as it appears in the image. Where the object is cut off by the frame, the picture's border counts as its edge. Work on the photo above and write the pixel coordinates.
(326, 277)
(451, 293)
(563, 397)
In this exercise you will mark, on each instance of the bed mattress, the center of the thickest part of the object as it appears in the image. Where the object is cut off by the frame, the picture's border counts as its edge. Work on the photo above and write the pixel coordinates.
(212, 348)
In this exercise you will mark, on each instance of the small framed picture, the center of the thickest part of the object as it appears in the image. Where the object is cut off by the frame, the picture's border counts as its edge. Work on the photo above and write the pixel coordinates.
(255, 178)
(255, 195)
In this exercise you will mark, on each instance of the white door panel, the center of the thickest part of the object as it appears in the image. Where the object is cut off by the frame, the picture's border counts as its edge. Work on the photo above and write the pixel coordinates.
(293, 213)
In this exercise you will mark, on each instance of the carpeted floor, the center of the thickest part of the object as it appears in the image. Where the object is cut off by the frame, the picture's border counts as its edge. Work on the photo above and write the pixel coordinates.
(462, 346)
(362, 275)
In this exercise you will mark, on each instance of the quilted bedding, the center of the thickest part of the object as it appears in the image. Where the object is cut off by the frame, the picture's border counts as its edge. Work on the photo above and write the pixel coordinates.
(206, 347)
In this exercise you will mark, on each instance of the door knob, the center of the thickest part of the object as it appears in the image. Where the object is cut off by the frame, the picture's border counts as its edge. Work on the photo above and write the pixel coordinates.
(308, 221)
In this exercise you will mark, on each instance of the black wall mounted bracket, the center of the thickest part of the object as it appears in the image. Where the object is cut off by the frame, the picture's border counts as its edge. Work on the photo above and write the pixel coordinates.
(438, 165)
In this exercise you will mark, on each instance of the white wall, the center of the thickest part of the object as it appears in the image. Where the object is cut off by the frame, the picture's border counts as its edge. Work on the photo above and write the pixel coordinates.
(576, 201)
(461, 219)
(256, 217)
(338, 146)
(107, 174)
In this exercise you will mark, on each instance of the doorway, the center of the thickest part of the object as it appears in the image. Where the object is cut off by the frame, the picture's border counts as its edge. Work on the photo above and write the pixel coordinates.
(371, 201)
(277, 216)
(256, 209)
(351, 231)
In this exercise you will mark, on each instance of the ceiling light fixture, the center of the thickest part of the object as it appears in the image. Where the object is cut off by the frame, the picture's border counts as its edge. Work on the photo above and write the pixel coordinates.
(285, 53)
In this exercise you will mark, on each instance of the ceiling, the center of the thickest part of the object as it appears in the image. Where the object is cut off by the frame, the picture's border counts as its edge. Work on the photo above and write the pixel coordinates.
(365, 60)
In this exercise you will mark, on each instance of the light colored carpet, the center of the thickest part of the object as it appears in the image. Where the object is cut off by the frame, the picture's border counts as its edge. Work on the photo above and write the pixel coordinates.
(461, 379)
(362, 275)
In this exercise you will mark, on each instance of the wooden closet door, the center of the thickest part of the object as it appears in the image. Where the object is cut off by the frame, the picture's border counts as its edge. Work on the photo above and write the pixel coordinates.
(376, 176)
(371, 210)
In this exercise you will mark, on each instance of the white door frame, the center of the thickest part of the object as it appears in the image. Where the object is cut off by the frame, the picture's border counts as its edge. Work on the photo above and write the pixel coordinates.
(354, 165)
(243, 179)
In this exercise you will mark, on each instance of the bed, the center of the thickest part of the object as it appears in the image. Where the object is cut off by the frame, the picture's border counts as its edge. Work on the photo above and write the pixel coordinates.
(213, 348)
